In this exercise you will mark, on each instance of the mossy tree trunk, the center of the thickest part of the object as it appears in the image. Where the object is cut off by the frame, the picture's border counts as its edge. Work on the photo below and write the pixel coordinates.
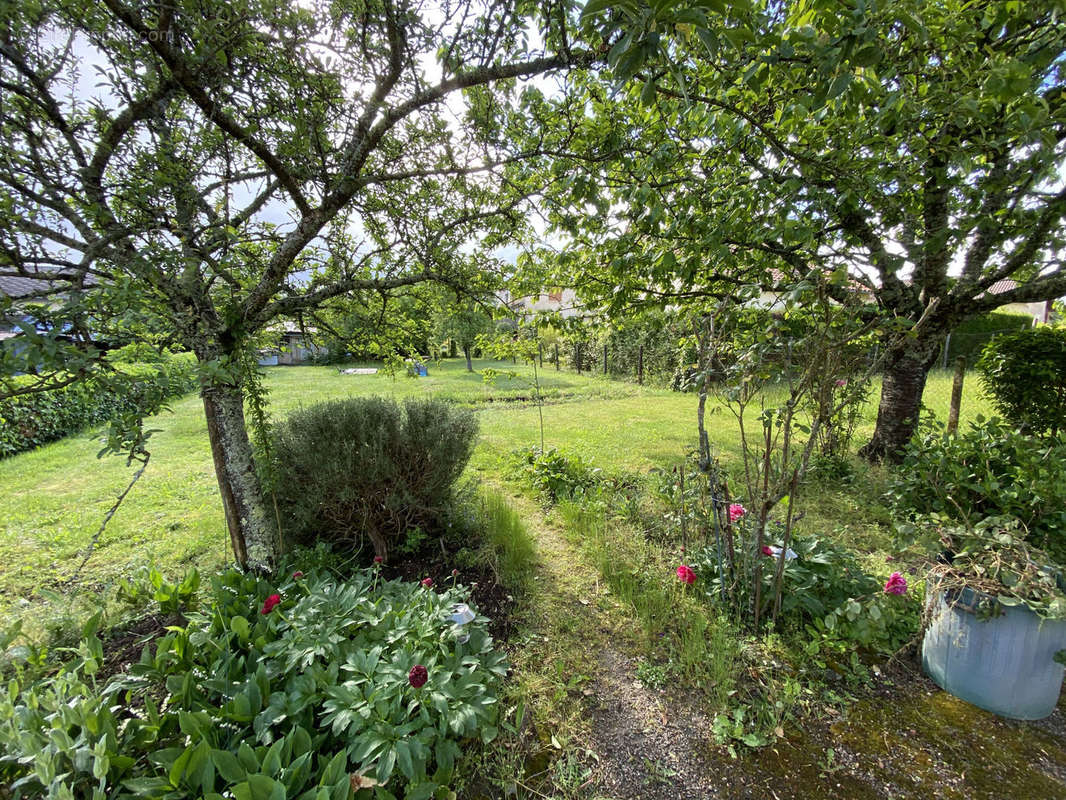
(250, 529)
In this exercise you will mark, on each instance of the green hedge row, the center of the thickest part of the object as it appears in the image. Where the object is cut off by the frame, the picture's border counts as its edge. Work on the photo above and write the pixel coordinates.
(30, 420)
(971, 336)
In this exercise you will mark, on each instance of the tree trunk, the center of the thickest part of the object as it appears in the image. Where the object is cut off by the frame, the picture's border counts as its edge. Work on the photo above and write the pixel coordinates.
(469, 363)
(250, 528)
(905, 371)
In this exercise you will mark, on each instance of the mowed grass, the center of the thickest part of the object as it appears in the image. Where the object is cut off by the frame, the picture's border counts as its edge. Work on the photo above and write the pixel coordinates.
(53, 500)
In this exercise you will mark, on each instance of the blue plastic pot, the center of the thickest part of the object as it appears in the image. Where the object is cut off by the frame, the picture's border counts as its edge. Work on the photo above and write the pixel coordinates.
(1003, 664)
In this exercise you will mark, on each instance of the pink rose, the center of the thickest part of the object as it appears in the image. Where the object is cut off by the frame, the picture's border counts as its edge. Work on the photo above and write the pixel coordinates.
(896, 584)
(736, 511)
(270, 603)
(427, 582)
(766, 551)
(686, 575)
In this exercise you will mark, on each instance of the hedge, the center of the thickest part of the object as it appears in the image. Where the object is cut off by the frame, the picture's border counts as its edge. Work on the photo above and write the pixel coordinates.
(970, 336)
(31, 420)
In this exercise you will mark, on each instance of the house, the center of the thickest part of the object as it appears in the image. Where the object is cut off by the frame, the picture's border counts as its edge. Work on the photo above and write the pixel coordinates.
(1039, 311)
(563, 302)
(23, 291)
(295, 347)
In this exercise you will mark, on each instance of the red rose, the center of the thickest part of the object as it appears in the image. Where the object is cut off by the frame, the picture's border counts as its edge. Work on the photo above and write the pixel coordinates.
(427, 582)
(270, 603)
(378, 559)
(766, 551)
(418, 676)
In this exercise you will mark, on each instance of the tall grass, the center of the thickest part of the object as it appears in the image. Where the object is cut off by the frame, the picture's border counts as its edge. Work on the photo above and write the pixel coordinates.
(509, 549)
(704, 648)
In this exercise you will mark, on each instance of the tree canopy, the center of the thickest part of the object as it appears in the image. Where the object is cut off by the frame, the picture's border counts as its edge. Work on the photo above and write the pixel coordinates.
(195, 170)
(910, 154)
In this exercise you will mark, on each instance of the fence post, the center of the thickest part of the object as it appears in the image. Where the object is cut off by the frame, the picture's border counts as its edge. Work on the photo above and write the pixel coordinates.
(556, 356)
(956, 394)
(577, 356)
(947, 348)
(640, 365)
(605, 359)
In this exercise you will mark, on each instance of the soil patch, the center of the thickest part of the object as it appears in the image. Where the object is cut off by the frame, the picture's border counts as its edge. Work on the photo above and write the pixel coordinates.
(488, 595)
(649, 745)
(124, 644)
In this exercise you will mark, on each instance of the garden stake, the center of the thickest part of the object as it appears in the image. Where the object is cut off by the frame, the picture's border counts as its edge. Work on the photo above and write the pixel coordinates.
(779, 578)
(764, 512)
(718, 543)
(956, 394)
(684, 529)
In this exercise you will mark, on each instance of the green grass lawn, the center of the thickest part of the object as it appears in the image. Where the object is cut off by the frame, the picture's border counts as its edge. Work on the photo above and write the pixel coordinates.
(54, 498)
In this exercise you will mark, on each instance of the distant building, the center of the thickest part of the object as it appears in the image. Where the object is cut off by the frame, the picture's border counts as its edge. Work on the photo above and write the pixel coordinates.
(563, 302)
(294, 347)
(1040, 311)
(23, 291)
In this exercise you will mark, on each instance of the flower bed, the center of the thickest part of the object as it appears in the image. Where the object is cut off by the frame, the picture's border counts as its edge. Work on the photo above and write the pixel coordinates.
(306, 687)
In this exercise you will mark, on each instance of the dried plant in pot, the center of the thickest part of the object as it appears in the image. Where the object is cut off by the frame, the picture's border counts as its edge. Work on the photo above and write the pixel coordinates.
(995, 630)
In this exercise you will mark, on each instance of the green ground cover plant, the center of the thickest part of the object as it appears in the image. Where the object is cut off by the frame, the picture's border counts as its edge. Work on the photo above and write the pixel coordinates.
(989, 470)
(306, 686)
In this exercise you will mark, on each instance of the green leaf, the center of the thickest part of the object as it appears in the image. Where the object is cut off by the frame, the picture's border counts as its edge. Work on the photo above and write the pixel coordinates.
(596, 6)
(239, 625)
(839, 85)
(647, 94)
(228, 766)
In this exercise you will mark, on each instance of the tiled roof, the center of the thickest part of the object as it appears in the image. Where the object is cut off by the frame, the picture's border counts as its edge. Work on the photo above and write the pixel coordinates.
(17, 286)
(1001, 286)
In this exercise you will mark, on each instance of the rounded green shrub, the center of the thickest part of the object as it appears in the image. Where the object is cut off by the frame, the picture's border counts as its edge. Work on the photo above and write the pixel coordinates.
(369, 466)
(1025, 372)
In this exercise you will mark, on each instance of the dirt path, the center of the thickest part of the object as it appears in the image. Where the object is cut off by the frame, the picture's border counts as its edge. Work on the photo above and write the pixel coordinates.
(906, 739)
(637, 742)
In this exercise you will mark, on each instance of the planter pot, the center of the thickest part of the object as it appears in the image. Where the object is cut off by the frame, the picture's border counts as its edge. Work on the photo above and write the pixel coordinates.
(1003, 664)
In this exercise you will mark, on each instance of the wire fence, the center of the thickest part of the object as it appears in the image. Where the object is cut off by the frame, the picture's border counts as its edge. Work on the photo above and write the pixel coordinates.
(969, 345)
(974, 401)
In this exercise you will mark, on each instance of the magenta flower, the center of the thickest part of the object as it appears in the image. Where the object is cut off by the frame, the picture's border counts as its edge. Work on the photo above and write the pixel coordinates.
(766, 551)
(736, 511)
(427, 583)
(270, 603)
(418, 676)
(842, 383)
(896, 584)
(378, 559)
(297, 575)
(686, 575)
